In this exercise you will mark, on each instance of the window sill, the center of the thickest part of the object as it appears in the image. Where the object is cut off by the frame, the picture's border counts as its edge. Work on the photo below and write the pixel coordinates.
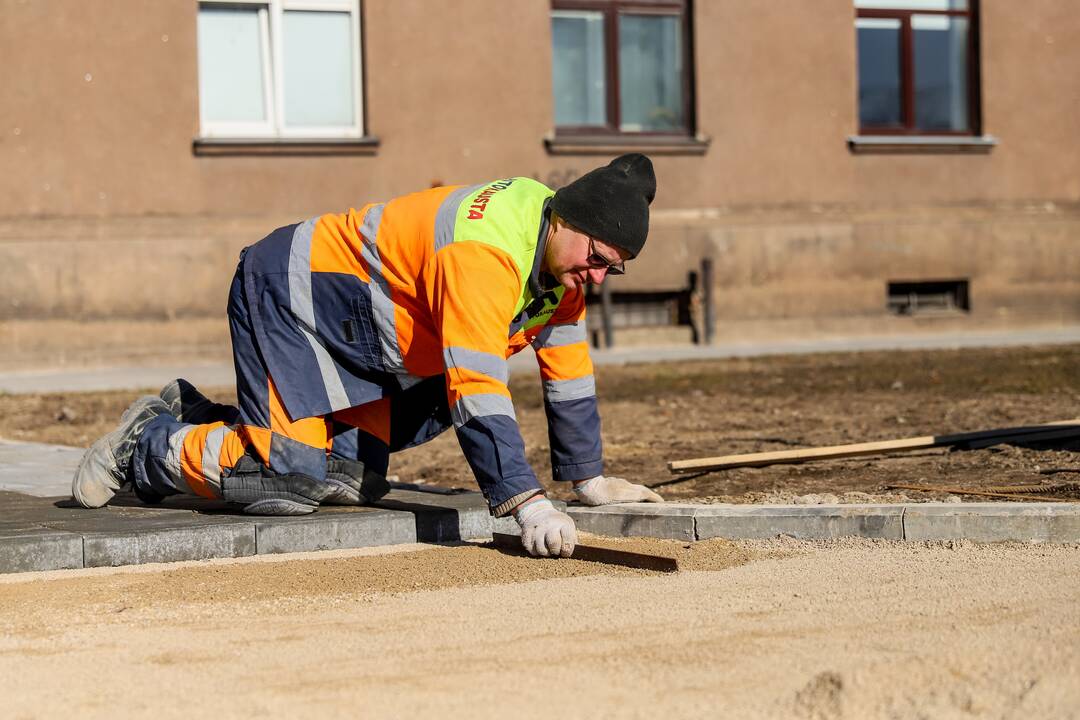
(211, 147)
(920, 144)
(617, 144)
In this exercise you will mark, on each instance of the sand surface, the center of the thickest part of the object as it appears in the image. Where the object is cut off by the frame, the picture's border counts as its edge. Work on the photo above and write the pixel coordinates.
(847, 629)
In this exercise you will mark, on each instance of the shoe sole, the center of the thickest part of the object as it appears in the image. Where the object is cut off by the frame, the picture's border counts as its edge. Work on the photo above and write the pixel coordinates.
(342, 494)
(278, 506)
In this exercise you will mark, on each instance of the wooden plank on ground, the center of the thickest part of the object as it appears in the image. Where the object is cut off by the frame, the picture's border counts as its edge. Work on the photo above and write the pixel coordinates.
(1065, 428)
(593, 553)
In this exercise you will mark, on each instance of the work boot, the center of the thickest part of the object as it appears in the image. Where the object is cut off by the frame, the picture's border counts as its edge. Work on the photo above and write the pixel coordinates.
(103, 469)
(353, 484)
(263, 492)
(188, 405)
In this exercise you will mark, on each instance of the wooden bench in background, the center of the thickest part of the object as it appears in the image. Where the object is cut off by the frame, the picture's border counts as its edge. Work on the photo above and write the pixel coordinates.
(691, 305)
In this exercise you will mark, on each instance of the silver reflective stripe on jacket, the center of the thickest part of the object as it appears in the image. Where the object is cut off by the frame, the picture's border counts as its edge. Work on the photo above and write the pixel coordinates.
(211, 457)
(172, 459)
(494, 366)
(300, 303)
(483, 405)
(560, 335)
(446, 216)
(576, 389)
(382, 305)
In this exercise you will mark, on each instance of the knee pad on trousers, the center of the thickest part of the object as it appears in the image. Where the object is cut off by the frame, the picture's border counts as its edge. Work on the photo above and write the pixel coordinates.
(263, 492)
(369, 484)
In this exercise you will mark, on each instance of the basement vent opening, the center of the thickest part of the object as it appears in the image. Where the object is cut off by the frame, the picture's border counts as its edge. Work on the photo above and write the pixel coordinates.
(928, 297)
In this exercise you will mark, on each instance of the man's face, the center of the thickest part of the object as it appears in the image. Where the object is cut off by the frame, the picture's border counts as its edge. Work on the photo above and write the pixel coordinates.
(575, 259)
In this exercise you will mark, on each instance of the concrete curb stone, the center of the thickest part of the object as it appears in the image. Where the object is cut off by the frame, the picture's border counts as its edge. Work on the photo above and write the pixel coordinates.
(441, 518)
(32, 549)
(802, 522)
(359, 527)
(994, 522)
(979, 522)
(668, 520)
(168, 544)
(447, 518)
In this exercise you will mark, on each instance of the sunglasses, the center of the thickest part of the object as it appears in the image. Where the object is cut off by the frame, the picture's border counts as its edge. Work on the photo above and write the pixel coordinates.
(596, 260)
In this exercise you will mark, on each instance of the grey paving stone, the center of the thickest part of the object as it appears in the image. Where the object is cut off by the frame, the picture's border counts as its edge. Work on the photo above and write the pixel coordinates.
(505, 525)
(804, 522)
(126, 516)
(9, 528)
(442, 518)
(32, 549)
(447, 518)
(334, 530)
(140, 544)
(26, 508)
(636, 520)
(119, 521)
(993, 522)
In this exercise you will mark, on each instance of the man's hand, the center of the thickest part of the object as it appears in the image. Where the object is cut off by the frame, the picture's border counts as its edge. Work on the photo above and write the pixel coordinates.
(544, 530)
(603, 490)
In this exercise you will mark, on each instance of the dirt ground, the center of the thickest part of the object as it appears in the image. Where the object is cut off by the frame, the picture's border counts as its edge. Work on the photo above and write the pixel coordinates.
(847, 629)
(654, 413)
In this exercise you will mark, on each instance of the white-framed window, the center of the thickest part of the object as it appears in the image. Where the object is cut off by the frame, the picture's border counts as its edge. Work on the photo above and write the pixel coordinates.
(280, 69)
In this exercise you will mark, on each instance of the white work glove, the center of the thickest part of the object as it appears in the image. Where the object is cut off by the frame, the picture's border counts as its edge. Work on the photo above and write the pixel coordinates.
(603, 490)
(544, 530)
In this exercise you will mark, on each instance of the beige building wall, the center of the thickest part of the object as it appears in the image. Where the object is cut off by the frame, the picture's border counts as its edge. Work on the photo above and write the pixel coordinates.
(118, 240)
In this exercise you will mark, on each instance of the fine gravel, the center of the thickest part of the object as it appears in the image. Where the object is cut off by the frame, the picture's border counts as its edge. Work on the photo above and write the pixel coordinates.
(845, 629)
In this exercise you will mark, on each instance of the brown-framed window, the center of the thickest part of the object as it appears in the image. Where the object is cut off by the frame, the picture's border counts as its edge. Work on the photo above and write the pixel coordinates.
(918, 67)
(622, 67)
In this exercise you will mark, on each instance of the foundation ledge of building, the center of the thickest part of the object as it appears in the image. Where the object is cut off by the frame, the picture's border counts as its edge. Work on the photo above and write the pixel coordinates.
(913, 144)
(365, 145)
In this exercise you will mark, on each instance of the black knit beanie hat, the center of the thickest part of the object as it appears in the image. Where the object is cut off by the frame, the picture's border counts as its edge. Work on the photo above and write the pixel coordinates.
(611, 203)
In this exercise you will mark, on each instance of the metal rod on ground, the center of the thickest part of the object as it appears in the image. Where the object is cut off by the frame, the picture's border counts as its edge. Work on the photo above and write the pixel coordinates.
(984, 493)
(1055, 434)
(1067, 487)
(709, 312)
(1069, 428)
(606, 313)
(593, 553)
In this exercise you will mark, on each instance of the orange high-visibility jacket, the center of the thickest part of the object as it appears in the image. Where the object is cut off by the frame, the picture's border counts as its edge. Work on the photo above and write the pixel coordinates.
(352, 307)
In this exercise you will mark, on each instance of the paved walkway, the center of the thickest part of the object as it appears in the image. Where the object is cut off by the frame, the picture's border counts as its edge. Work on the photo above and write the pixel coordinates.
(41, 528)
(128, 378)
